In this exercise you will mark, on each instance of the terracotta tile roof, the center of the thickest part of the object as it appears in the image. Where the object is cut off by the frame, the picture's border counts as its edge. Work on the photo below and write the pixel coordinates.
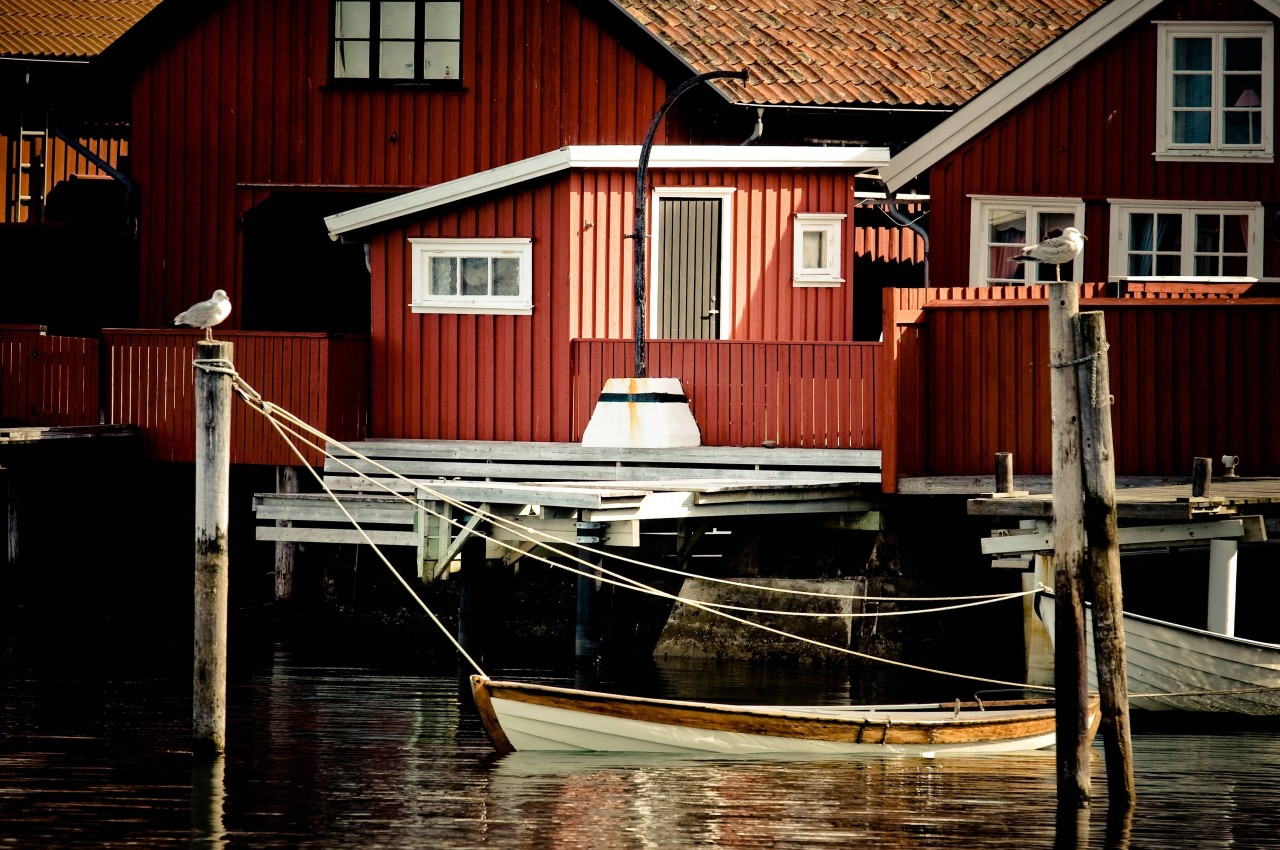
(66, 29)
(937, 53)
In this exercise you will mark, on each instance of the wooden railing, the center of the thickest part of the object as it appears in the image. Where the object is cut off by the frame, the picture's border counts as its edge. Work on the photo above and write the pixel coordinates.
(321, 379)
(968, 375)
(47, 380)
(797, 394)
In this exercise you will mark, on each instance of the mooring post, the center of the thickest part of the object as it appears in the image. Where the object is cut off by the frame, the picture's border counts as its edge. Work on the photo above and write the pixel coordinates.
(213, 386)
(1004, 472)
(1201, 473)
(1097, 454)
(1071, 683)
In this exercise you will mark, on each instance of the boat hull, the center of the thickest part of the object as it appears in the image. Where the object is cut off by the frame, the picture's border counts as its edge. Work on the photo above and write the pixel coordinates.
(1177, 668)
(521, 716)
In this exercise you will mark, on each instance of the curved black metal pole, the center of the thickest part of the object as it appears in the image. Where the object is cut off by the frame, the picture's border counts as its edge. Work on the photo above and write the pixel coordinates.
(641, 246)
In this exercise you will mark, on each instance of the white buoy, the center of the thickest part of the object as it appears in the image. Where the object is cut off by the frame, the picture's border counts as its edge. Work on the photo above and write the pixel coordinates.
(642, 413)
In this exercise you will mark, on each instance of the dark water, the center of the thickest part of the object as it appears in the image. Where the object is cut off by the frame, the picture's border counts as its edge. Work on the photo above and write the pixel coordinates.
(328, 756)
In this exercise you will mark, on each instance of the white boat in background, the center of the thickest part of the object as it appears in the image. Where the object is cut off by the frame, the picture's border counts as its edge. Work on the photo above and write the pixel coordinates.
(1178, 668)
(521, 716)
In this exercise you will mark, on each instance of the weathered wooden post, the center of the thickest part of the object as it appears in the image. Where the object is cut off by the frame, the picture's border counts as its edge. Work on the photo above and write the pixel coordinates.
(1071, 684)
(1097, 453)
(213, 476)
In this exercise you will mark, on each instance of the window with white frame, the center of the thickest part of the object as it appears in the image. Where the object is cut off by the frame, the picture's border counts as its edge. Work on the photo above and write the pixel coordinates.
(817, 249)
(1003, 226)
(1214, 92)
(472, 276)
(397, 42)
(1185, 240)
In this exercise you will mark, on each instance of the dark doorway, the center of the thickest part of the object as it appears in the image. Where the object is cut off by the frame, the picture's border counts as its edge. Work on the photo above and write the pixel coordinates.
(295, 277)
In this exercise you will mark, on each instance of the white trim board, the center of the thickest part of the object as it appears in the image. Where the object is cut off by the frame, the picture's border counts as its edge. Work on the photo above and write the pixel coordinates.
(602, 156)
(1021, 84)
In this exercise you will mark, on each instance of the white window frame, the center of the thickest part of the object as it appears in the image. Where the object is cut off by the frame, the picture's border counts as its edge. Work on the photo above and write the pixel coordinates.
(1118, 252)
(1217, 149)
(423, 250)
(829, 227)
(1032, 208)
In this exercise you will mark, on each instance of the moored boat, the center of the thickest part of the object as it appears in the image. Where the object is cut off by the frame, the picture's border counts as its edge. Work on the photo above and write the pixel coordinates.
(522, 716)
(1171, 667)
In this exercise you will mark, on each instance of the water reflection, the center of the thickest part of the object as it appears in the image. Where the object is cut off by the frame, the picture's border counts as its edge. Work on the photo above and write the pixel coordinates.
(208, 792)
(325, 756)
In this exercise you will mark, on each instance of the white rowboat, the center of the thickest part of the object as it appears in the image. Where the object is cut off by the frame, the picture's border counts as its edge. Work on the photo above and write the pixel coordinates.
(1178, 668)
(520, 716)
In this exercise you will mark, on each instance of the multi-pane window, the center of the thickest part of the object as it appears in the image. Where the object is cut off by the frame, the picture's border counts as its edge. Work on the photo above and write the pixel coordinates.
(1215, 90)
(1002, 227)
(472, 275)
(1200, 241)
(397, 42)
(816, 250)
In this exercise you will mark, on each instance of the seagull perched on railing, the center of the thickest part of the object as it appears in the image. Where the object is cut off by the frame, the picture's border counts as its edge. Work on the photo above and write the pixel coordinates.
(1055, 250)
(206, 314)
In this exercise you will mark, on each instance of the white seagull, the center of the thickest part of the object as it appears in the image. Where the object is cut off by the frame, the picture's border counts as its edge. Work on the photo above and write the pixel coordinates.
(1055, 250)
(206, 314)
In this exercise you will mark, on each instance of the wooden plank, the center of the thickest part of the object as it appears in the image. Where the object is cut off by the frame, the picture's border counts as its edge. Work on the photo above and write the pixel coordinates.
(1164, 535)
(296, 534)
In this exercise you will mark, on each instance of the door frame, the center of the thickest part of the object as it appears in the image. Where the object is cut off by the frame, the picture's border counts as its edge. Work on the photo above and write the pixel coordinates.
(725, 302)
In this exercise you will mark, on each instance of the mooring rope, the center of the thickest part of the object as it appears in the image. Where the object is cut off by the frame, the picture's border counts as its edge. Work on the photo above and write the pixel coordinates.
(530, 533)
(625, 581)
(270, 411)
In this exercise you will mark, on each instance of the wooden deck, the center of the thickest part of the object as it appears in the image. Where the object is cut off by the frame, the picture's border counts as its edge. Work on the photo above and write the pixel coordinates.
(1155, 500)
(551, 487)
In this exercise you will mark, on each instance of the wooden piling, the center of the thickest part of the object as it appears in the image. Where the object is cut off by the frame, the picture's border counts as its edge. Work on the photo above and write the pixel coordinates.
(213, 389)
(471, 608)
(1071, 684)
(1098, 461)
(286, 550)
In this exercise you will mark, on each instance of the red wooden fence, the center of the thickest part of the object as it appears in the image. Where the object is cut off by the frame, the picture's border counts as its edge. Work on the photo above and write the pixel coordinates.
(47, 380)
(800, 394)
(1190, 376)
(323, 380)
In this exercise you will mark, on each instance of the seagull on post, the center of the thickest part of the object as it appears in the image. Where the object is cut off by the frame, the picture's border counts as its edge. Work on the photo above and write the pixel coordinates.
(1055, 250)
(206, 314)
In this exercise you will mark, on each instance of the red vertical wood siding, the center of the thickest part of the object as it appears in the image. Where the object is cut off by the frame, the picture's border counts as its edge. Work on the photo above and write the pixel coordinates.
(821, 395)
(47, 380)
(319, 379)
(1190, 378)
(241, 100)
(766, 306)
(1086, 136)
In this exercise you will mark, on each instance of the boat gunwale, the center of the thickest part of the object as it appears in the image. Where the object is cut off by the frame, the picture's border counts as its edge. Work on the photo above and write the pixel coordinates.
(1014, 718)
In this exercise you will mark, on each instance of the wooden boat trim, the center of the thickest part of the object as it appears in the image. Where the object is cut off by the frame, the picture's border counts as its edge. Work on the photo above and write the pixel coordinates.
(488, 717)
(890, 728)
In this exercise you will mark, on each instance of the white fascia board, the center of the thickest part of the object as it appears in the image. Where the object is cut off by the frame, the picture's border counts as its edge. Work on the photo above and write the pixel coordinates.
(448, 192)
(602, 156)
(1016, 87)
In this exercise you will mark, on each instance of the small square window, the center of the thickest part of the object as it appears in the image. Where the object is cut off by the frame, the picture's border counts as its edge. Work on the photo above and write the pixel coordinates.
(472, 276)
(816, 257)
